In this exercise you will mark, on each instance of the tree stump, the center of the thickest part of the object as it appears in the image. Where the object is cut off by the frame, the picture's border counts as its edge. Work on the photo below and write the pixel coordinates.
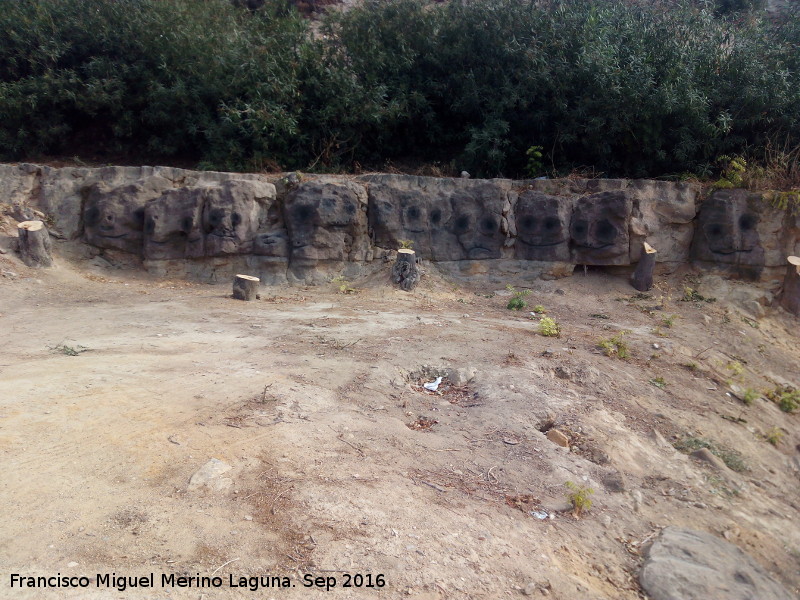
(405, 270)
(790, 298)
(245, 287)
(642, 278)
(34, 244)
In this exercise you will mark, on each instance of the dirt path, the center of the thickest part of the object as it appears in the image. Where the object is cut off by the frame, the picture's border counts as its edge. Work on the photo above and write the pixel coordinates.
(342, 464)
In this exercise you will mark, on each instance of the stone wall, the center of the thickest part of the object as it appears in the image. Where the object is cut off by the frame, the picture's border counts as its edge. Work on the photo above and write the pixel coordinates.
(207, 225)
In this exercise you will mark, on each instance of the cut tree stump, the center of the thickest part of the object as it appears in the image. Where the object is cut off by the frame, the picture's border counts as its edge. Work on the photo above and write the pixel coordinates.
(790, 297)
(245, 287)
(642, 278)
(34, 244)
(405, 271)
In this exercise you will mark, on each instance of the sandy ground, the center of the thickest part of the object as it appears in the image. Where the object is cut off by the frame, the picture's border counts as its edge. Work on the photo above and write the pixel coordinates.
(344, 468)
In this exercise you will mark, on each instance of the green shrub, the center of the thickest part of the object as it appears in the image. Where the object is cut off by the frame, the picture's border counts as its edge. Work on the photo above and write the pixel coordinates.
(549, 328)
(615, 346)
(517, 301)
(627, 88)
(579, 497)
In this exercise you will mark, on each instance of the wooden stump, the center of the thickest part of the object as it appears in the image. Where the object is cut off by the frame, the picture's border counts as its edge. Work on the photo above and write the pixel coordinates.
(405, 270)
(245, 287)
(790, 297)
(34, 244)
(642, 278)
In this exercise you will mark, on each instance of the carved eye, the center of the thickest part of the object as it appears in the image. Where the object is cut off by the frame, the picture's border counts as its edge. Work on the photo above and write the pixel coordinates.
(303, 213)
(551, 224)
(606, 231)
(715, 230)
(186, 223)
(580, 228)
(138, 216)
(747, 222)
(488, 225)
(528, 223)
(92, 216)
(462, 224)
(215, 218)
(236, 218)
(150, 225)
(413, 213)
(436, 216)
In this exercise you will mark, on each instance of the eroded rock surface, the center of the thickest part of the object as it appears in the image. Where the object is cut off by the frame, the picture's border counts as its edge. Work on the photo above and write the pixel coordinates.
(683, 564)
(599, 229)
(114, 216)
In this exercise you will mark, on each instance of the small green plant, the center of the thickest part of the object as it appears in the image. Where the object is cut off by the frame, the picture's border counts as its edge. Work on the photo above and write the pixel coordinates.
(691, 365)
(692, 295)
(69, 350)
(406, 244)
(774, 436)
(659, 382)
(731, 458)
(535, 165)
(549, 328)
(751, 323)
(578, 497)
(732, 173)
(615, 346)
(787, 398)
(735, 368)
(669, 321)
(344, 285)
(750, 395)
(539, 309)
(517, 301)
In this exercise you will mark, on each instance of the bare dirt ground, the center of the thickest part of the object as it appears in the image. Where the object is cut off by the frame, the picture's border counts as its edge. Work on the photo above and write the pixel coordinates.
(342, 463)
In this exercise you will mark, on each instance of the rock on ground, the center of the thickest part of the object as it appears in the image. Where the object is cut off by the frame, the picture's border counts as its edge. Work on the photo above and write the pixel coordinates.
(683, 564)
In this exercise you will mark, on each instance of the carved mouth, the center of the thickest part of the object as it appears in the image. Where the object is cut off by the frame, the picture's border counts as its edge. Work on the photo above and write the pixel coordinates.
(542, 245)
(478, 253)
(113, 237)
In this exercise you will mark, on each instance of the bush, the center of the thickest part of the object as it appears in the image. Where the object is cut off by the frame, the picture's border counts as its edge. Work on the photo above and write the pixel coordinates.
(630, 89)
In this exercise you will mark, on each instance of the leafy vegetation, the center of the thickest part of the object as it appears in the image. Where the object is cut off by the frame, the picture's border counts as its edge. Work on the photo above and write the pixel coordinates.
(579, 497)
(787, 398)
(733, 459)
(615, 346)
(517, 301)
(549, 328)
(628, 88)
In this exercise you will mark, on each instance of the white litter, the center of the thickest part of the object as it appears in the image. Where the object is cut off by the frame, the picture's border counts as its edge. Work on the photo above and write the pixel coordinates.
(539, 514)
(433, 385)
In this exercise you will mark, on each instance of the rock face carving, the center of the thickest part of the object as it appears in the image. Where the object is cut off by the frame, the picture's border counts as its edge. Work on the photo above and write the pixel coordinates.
(230, 218)
(446, 219)
(172, 225)
(543, 225)
(599, 229)
(476, 224)
(694, 565)
(726, 232)
(114, 217)
(325, 222)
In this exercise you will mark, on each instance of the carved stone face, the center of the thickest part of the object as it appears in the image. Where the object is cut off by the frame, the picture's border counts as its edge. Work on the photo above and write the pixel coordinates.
(542, 227)
(726, 233)
(476, 226)
(114, 217)
(599, 229)
(324, 220)
(728, 226)
(173, 225)
(397, 215)
(273, 243)
(230, 219)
